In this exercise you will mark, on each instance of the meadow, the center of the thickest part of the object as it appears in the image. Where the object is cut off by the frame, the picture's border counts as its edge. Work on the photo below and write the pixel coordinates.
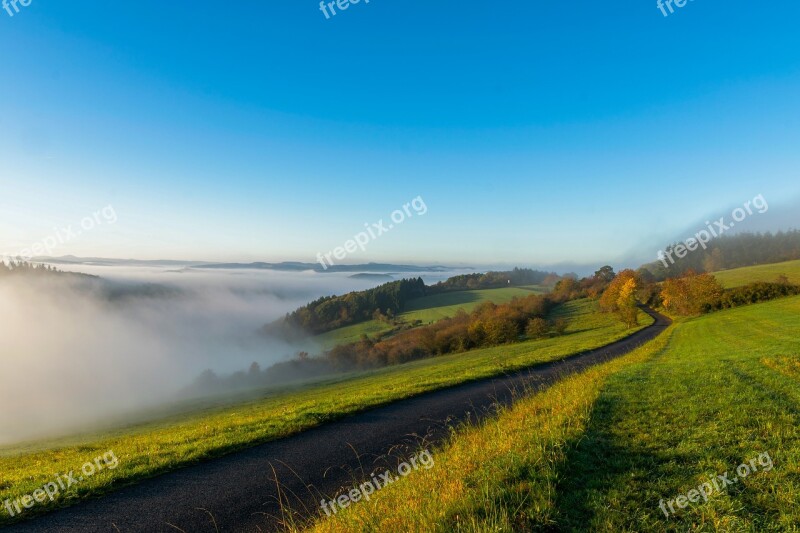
(427, 309)
(742, 276)
(605, 449)
(190, 435)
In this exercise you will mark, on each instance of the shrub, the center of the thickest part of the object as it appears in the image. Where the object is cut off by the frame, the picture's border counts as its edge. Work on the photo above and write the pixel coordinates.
(537, 328)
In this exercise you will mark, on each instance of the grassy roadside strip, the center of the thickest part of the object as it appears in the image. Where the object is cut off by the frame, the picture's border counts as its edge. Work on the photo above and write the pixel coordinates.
(150, 449)
(500, 475)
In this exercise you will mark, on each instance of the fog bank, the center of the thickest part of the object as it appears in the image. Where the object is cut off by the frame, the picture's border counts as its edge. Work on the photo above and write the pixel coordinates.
(71, 356)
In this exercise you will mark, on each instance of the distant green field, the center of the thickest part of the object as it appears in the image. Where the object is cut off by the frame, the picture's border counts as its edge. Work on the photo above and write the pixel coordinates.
(438, 306)
(149, 449)
(428, 309)
(604, 450)
(742, 276)
(349, 334)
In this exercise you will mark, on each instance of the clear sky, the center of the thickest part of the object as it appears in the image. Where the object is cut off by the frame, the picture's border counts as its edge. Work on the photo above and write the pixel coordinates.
(536, 132)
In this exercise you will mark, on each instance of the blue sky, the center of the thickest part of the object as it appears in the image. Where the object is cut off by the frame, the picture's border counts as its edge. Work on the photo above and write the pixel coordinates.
(536, 132)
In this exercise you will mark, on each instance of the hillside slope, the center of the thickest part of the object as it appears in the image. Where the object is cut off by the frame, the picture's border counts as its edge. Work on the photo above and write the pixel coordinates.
(742, 276)
(426, 309)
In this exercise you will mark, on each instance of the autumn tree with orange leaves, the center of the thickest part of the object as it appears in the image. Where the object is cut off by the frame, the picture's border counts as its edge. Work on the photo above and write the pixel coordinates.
(691, 294)
(620, 297)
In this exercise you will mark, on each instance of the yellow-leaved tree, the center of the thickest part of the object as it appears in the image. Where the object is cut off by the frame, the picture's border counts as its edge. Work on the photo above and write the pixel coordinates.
(620, 297)
(627, 308)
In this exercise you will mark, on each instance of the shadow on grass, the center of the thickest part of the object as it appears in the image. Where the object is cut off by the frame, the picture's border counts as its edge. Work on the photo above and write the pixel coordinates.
(600, 467)
(445, 299)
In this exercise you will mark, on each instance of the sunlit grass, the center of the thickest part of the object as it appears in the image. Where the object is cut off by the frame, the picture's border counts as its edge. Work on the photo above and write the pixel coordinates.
(742, 276)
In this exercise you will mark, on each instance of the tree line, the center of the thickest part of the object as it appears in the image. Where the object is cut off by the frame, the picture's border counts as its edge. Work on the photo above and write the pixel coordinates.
(495, 280)
(333, 312)
(23, 268)
(695, 294)
(690, 294)
(731, 251)
(388, 300)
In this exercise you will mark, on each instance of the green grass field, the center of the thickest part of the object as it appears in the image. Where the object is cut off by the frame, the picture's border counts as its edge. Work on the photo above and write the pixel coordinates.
(742, 276)
(148, 449)
(601, 450)
(427, 309)
(432, 308)
(349, 334)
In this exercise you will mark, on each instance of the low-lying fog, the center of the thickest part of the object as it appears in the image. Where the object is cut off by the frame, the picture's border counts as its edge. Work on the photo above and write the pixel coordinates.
(71, 356)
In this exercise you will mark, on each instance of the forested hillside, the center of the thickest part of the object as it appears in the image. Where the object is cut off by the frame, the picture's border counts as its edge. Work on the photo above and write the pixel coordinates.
(333, 312)
(726, 252)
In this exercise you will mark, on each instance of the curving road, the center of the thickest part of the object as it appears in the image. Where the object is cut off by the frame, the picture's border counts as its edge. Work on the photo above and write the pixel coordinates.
(239, 493)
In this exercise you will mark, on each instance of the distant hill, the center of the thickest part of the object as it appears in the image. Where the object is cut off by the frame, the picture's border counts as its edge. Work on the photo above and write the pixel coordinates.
(332, 312)
(285, 266)
(765, 273)
(729, 252)
(102, 261)
(372, 277)
(300, 267)
(19, 269)
(110, 290)
(388, 300)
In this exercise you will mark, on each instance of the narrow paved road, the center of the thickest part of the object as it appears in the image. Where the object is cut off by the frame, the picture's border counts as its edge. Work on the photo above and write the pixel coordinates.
(238, 493)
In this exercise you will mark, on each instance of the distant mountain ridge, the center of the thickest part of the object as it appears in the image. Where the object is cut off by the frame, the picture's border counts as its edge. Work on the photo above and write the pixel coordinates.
(298, 266)
(103, 261)
(285, 266)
